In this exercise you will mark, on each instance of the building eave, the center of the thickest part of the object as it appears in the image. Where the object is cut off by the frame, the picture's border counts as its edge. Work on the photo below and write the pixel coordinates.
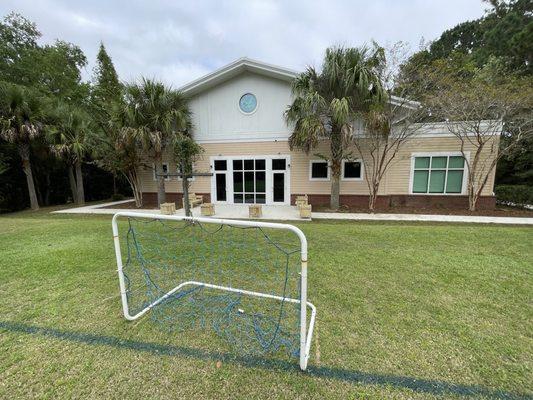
(403, 102)
(236, 67)
(274, 71)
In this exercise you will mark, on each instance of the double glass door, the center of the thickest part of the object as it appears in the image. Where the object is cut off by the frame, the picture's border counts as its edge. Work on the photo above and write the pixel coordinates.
(251, 180)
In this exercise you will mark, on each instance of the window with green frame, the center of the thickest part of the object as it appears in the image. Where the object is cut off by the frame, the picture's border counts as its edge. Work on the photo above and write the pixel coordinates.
(438, 174)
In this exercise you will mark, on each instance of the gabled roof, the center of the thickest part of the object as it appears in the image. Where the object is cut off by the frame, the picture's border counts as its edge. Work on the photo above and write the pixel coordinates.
(403, 102)
(235, 68)
(247, 64)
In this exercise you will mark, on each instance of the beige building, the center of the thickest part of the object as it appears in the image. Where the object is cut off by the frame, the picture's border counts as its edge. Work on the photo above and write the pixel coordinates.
(238, 120)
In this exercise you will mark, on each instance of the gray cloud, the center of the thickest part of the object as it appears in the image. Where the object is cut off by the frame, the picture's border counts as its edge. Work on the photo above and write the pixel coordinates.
(177, 41)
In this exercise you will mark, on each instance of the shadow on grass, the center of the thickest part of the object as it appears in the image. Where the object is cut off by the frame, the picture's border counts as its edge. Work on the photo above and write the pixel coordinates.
(418, 385)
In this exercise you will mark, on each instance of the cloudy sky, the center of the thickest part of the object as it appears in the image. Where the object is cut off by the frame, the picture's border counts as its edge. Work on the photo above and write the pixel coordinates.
(179, 40)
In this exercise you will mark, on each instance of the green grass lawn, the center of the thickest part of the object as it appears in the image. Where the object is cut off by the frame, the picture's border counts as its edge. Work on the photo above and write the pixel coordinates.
(404, 311)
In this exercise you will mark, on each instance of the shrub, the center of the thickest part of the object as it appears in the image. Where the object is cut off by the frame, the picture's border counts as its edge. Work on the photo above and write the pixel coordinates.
(117, 197)
(517, 194)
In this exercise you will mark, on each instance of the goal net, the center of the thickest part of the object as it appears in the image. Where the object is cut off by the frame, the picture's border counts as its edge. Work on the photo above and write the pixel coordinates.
(245, 281)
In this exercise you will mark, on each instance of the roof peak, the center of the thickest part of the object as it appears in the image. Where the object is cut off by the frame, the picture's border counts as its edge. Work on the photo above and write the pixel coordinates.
(242, 64)
(234, 68)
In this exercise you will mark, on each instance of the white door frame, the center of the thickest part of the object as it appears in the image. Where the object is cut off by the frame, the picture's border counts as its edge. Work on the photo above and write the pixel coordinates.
(286, 178)
(214, 181)
(268, 177)
(214, 187)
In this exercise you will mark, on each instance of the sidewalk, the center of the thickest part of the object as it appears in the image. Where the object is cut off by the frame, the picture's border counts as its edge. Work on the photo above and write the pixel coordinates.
(227, 211)
(424, 217)
(285, 213)
(99, 209)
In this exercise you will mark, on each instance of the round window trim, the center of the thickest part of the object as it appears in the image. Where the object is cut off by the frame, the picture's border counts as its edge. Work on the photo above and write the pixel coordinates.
(240, 103)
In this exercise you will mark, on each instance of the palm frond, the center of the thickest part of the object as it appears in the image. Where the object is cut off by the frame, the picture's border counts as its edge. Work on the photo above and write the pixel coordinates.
(155, 113)
(327, 102)
(22, 113)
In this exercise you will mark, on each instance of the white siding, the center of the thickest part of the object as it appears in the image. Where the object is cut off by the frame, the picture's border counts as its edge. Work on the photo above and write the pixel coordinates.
(217, 117)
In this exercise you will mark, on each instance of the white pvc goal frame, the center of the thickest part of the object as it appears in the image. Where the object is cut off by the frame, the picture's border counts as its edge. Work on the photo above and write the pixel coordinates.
(306, 332)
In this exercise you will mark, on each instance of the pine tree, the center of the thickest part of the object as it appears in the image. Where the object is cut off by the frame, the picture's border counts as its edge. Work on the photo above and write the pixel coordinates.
(107, 87)
(105, 95)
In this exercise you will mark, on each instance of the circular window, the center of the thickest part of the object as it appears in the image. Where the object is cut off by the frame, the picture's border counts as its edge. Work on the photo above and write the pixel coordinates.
(248, 103)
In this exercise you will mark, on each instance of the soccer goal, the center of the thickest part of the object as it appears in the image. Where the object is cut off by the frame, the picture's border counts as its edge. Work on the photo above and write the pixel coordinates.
(246, 281)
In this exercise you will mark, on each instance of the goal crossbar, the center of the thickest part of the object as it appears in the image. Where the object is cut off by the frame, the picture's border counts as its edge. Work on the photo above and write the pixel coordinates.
(306, 331)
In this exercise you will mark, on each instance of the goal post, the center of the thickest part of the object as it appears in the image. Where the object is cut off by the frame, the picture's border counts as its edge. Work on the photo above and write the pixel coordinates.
(231, 270)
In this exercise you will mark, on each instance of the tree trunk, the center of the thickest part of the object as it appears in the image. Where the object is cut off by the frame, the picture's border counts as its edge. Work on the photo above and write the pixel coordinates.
(372, 201)
(133, 179)
(24, 152)
(37, 187)
(471, 192)
(72, 182)
(161, 196)
(335, 191)
(472, 179)
(473, 196)
(186, 198)
(373, 194)
(185, 185)
(80, 194)
(47, 190)
(336, 161)
(114, 184)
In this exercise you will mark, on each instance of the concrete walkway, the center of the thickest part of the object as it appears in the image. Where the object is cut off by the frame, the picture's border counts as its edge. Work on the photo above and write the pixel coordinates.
(229, 211)
(240, 211)
(425, 217)
(97, 209)
(290, 213)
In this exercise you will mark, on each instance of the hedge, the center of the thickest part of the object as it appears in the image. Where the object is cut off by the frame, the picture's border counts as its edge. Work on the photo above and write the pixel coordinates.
(517, 194)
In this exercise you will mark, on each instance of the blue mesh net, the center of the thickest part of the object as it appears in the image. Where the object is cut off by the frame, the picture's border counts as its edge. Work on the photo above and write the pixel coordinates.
(163, 254)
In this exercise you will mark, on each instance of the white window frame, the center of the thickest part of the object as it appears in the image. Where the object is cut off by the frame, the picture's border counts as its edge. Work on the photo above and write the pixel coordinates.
(311, 162)
(168, 171)
(440, 154)
(358, 160)
(225, 172)
(269, 175)
(256, 103)
(180, 178)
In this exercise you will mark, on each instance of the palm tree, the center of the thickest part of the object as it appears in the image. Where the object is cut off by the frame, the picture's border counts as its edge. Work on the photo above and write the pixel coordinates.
(115, 148)
(69, 132)
(155, 113)
(327, 102)
(21, 122)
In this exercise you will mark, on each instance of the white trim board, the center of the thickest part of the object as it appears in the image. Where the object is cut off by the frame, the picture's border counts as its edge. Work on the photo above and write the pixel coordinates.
(442, 129)
(246, 140)
(423, 131)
